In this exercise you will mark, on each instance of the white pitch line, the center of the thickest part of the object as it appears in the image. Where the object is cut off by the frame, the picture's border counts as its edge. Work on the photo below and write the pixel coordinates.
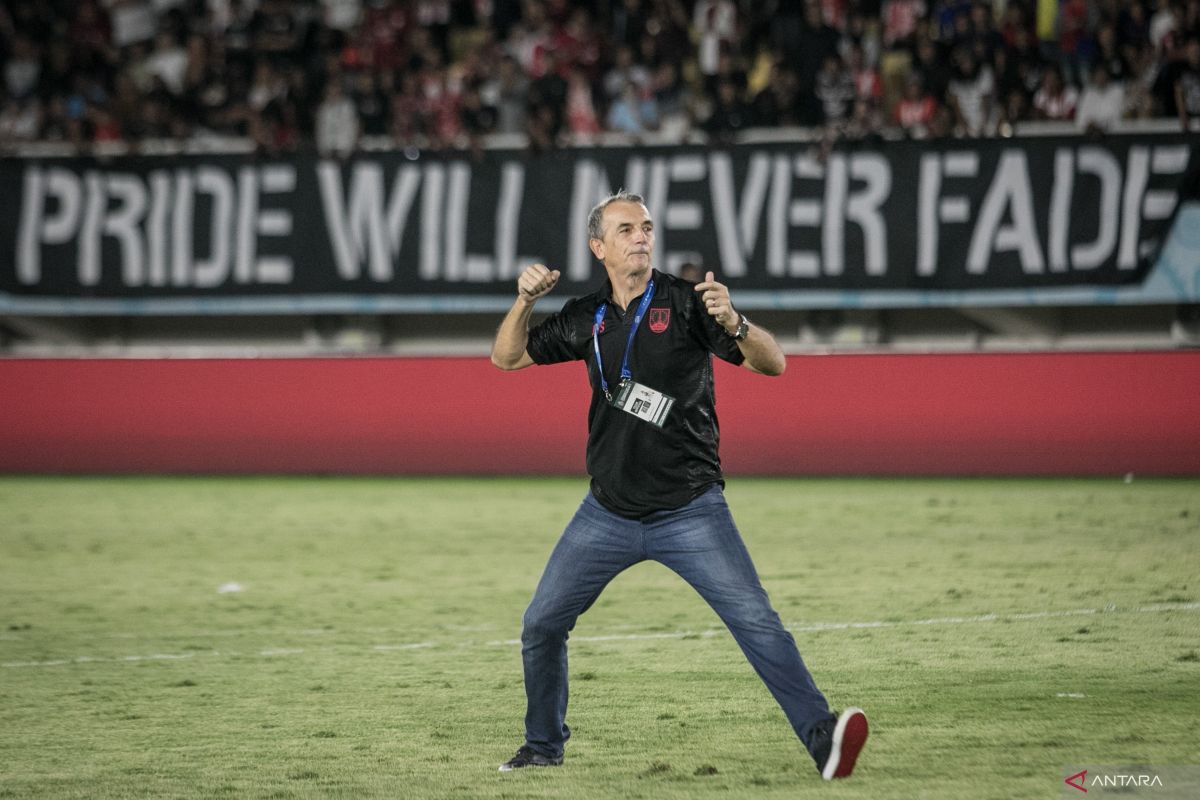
(842, 626)
(412, 646)
(633, 637)
(99, 660)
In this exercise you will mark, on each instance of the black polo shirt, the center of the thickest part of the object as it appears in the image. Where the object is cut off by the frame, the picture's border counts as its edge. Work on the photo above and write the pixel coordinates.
(638, 468)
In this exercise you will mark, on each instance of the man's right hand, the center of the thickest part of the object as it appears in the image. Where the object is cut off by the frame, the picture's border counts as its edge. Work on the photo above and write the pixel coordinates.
(536, 281)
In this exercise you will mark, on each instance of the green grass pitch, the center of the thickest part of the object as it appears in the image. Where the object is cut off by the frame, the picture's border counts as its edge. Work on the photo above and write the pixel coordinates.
(997, 632)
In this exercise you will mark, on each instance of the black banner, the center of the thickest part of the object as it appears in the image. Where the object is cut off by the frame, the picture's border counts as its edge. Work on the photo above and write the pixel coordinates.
(1000, 214)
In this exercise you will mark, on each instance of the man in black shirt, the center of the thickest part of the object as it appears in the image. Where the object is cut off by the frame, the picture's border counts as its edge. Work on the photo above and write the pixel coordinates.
(656, 491)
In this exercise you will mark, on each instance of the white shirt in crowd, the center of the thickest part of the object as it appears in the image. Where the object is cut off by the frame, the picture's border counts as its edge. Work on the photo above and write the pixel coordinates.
(341, 15)
(170, 66)
(971, 96)
(336, 125)
(1100, 107)
(132, 22)
(715, 21)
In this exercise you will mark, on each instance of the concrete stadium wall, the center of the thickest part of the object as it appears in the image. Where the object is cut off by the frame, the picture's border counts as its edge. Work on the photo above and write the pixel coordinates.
(971, 414)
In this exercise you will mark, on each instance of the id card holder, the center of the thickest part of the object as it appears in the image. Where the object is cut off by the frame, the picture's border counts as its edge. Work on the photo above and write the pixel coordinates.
(643, 402)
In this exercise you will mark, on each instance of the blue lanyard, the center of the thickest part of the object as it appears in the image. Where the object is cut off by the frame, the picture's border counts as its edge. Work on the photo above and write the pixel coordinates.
(637, 320)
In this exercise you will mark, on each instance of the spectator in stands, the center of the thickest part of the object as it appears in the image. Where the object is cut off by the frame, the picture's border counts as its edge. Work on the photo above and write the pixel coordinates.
(624, 72)
(507, 91)
(673, 102)
(779, 24)
(1073, 40)
(444, 96)
(91, 38)
(984, 39)
(667, 28)
(168, 63)
(578, 44)
(276, 29)
(1191, 20)
(835, 89)
(126, 105)
(1028, 60)
(582, 120)
(1187, 84)
(341, 15)
(337, 122)
(20, 120)
(900, 18)
(731, 67)
(971, 94)
(942, 126)
(371, 99)
(932, 69)
(434, 16)
(780, 102)
(268, 86)
(715, 24)
(212, 94)
(868, 84)
(864, 34)
(547, 103)
(408, 117)
(23, 69)
(865, 122)
(729, 114)
(237, 31)
(1163, 28)
(529, 39)
(389, 39)
(634, 112)
(1014, 109)
(57, 70)
(478, 120)
(1007, 75)
(1133, 29)
(1110, 56)
(629, 21)
(132, 21)
(818, 41)
(1102, 102)
(946, 16)
(1055, 100)
(915, 110)
(178, 68)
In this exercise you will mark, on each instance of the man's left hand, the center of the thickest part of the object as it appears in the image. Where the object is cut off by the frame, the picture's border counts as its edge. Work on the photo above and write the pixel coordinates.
(716, 299)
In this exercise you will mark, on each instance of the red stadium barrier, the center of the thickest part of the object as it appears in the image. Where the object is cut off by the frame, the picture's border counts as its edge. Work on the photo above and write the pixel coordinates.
(974, 414)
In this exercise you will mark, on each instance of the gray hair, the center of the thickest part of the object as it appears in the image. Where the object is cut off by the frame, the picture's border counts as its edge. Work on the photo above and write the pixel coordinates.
(595, 230)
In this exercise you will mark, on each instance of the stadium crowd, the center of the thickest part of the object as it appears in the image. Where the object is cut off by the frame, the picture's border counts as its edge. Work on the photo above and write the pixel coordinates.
(441, 74)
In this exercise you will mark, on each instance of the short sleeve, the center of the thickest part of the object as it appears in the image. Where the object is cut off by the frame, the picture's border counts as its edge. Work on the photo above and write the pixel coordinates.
(556, 338)
(714, 338)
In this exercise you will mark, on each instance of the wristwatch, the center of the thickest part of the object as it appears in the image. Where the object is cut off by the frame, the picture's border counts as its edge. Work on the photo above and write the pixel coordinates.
(743, 328)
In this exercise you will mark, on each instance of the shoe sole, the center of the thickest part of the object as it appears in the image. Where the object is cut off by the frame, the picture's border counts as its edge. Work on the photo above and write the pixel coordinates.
(507, 768)
(848, 739)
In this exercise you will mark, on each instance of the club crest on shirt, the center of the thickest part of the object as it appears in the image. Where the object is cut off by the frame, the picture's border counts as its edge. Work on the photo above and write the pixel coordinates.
(659, 319)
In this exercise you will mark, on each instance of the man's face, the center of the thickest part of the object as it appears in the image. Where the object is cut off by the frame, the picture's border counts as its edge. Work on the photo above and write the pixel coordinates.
(628, 243)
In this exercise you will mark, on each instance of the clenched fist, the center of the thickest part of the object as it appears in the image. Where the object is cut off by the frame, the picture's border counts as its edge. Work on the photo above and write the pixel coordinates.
(536, 281)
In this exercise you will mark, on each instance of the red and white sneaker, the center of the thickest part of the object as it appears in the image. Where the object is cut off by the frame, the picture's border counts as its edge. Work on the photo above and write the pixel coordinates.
(844, 743)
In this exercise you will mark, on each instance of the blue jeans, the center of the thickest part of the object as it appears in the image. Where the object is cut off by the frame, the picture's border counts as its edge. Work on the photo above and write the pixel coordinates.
(700, 543)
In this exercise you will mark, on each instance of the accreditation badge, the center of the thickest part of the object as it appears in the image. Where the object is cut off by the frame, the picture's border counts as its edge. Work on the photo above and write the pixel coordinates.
(643, 402)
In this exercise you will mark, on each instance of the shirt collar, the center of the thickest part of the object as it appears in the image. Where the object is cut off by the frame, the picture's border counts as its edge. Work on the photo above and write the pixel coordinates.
(605, 292)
